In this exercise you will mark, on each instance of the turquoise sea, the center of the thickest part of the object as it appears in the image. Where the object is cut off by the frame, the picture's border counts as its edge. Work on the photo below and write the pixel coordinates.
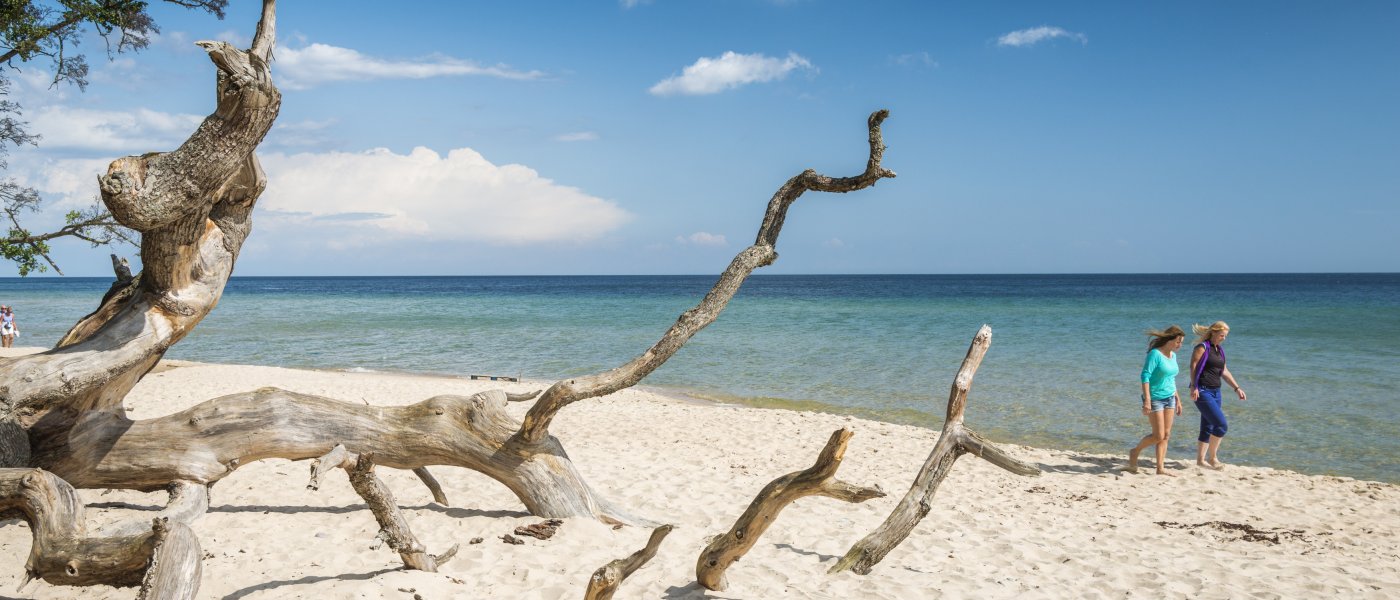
(1317, 353)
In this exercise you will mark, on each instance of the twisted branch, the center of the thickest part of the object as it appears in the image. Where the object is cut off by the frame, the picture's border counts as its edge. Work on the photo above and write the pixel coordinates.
(762, 253)
(817, 480)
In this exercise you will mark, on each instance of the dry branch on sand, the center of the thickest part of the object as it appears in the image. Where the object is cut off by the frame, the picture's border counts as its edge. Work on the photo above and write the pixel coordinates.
(955, 441)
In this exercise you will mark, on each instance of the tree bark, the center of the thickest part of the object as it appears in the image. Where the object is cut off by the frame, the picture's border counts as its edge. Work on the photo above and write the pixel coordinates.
(954, 441)
(818, 480)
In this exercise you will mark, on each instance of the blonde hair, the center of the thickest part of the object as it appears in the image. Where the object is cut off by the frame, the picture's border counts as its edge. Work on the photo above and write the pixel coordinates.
(1160, 338)
(1205, 332)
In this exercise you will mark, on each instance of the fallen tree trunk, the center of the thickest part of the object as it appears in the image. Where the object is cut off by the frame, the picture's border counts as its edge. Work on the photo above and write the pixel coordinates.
(817, 480)
(106, 449)
(955, 441)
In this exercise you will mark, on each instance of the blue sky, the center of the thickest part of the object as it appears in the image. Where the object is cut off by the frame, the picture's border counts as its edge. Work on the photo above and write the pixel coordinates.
(606, 137)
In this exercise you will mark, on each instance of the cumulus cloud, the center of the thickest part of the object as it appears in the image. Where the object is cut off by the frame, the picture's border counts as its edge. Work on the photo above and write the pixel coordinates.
(379, 195)
(702, 238)
(302, 68)
(1036, 35)
(105, 131)
(577, 136)
(728, 71)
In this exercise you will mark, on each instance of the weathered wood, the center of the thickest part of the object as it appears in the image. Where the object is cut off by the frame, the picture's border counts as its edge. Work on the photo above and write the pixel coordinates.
(605, 581)
(427, 478)
(192, 207)
(62, 552)
(817, 480)
(207, 442)
(762, 253)
(953, 442)
(176, 563)
(187, 503)
(337, 458)
(393, 528)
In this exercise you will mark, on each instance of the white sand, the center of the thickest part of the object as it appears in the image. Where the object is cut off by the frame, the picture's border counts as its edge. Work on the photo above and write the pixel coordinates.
(1082, 529)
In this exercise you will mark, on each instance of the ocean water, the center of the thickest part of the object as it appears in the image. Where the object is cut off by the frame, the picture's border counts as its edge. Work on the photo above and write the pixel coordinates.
(1317, 353)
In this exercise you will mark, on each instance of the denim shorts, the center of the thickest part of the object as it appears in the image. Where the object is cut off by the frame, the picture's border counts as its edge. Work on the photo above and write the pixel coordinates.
(1163, 403)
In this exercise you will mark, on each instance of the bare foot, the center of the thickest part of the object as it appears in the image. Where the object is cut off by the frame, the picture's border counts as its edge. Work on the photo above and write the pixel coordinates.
(1168, 474)
(1132, 461)
(1202, 464)
(1217, 465)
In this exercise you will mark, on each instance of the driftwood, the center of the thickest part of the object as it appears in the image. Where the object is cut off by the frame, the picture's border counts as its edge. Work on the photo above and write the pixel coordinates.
(815, 481)
(955, 440)
(62, 410)
(393, 527)
(64, 554)
(205, 443)
(604, 582)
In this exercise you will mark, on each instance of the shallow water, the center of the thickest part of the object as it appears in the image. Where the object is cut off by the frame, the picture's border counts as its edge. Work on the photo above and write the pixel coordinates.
(1314, 351)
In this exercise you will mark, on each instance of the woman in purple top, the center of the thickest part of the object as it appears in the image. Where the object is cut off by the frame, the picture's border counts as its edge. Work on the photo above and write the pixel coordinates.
(1207, 371)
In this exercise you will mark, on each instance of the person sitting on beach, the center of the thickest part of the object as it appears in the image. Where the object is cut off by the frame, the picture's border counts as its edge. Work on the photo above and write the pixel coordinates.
(1159, 398)
(8, 329)
(1207, 371)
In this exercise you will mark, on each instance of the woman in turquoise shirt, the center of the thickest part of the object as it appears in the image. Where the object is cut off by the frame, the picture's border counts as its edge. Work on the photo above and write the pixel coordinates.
(1159, 398)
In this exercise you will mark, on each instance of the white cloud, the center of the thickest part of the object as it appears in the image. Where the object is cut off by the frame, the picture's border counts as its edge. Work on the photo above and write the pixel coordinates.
(834, 243)
(577, 136)
(730, 70)
(632, 3)
(106, 131)
(65, 183)
(377, 196)
(302, 68)
(237, 38)
(702, 238)
(1035, 35)
(914, 59)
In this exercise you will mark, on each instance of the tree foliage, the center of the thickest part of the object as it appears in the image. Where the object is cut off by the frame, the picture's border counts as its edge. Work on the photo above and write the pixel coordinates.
(37, 30)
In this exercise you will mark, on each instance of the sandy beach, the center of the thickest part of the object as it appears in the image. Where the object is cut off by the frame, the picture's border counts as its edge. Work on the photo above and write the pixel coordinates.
(1081, 529)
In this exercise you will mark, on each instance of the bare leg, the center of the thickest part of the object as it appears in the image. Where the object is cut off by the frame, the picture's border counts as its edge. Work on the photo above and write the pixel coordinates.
(1163, 429)
(1153, 419)
(1212, 448)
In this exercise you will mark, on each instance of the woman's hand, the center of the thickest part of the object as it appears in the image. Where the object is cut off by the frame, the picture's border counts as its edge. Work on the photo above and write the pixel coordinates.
(1178, 408)
(1195, 394)
(1240, 391)
(1147, 409)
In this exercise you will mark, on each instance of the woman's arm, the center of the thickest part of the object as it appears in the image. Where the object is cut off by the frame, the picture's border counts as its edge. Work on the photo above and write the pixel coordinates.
(1230, 379)
(1147, 367)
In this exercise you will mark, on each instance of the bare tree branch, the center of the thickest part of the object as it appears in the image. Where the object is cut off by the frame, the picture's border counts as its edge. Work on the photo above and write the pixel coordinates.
(760, 254)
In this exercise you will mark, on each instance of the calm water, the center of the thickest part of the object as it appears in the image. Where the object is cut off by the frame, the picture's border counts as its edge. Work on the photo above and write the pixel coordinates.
(1316, 353)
